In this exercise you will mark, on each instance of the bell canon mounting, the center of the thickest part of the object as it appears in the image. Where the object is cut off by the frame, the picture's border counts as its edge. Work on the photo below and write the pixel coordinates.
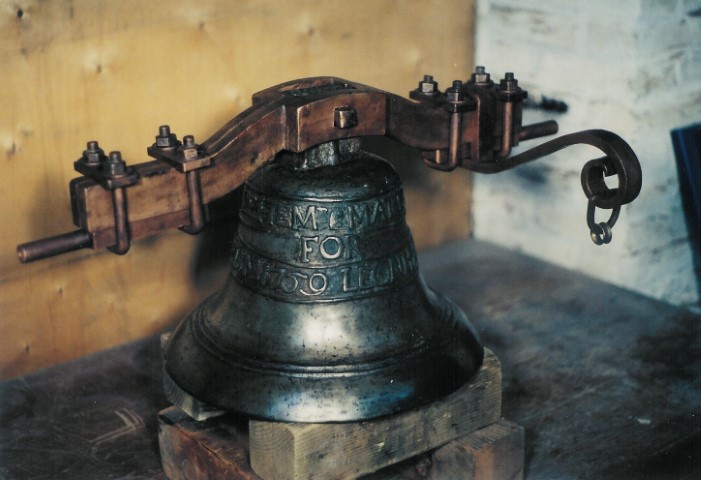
(324, 316)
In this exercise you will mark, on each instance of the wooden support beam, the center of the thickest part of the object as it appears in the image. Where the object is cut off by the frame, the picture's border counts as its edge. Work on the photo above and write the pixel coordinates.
(277, 121)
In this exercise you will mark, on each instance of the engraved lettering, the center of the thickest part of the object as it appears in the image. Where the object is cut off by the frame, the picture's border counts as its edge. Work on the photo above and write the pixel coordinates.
(363, 277)
(297, 283)
(288, 282)
(267, 211)
(302, 221)
(243, 261)
(353, 251)
(369, 213)
(317, 285)
(305, 249)
(284, 216)
(347, 286)
(358, 215)
(381, 211)
(303, 215)
(337, 218)
(331, 248)
(383, 278)
(400, 263)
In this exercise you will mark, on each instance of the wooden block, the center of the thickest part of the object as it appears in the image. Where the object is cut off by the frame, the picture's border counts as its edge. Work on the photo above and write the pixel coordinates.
(192, 450)
(495, 452)
(218, 449)
(347, 450)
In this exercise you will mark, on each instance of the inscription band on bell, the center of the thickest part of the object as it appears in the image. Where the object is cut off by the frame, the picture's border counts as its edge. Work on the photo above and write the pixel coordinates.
(283, 281)
(261, 210)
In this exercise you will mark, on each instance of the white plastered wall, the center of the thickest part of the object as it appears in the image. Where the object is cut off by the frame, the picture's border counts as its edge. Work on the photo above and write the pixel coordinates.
(632, 67)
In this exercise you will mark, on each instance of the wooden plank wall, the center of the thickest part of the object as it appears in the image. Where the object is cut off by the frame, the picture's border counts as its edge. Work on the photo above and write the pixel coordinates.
(113, 71)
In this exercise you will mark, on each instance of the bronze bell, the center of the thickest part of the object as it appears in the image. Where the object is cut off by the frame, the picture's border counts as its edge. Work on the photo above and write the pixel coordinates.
(325, 316)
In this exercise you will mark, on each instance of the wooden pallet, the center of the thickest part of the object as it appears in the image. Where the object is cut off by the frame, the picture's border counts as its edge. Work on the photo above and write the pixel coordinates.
(460, 436)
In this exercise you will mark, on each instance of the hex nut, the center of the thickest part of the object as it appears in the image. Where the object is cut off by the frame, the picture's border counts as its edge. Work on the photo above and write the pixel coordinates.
(115, 166)
(509, 83)
(480, 76)
(188, 151)
(166, 139)
(165, 142)
(428, 86)
(455, 93)
(93, 155)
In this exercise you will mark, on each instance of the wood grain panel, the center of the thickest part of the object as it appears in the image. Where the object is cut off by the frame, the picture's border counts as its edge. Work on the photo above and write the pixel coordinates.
(113, 71)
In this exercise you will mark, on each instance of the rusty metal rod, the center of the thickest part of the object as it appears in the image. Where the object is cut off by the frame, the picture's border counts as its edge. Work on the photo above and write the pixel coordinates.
(121, 222)
(508, 125)
(194, 195)
(52, 246)
(454, 142)
(536, 130)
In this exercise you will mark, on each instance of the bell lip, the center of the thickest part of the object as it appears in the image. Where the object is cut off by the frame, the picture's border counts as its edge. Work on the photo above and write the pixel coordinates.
(201, 410)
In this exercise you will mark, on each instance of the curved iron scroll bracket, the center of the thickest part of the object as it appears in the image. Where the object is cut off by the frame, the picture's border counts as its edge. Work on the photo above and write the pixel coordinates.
(620, 160)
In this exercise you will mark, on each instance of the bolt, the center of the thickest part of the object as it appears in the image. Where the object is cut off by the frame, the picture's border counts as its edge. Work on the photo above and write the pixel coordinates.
(165, 139)
(455, 93)
(480, 76)
(188, 141)
(428, 86)
(509, 82)
(345, 117)
(189, 149)
(115, 166)
(93, 155)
